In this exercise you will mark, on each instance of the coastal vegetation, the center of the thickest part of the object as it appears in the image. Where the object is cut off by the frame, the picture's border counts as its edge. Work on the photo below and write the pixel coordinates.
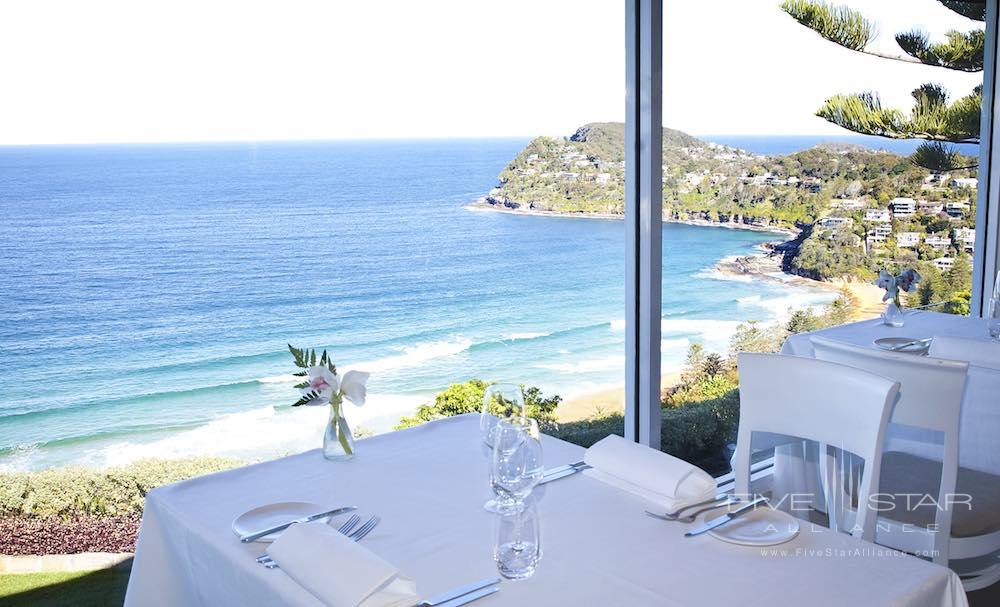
(78, 509)
(853, 210)
(934, 118)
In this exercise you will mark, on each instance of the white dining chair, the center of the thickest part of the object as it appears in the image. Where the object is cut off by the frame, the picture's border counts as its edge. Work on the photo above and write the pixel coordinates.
(978, 352)
(925, 510)
(818, 401)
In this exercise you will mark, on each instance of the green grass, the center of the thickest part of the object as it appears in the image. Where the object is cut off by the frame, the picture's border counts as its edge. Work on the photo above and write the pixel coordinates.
(101, 588)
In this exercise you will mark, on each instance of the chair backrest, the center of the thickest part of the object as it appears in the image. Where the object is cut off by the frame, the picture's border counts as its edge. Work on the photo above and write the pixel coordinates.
(930, 397)
(930, 389)
(978, 352)
(816, 400)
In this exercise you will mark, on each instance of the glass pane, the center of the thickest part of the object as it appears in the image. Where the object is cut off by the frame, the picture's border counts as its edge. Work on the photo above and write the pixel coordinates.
(813, 208)
(437, 230)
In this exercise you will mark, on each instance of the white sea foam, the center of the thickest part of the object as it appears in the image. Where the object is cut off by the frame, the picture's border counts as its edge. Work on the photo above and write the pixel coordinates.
(414, 355)
(607, 363)
(256, 434)
(279, 379)
(526, 335)
(618, 324)
(779, 308)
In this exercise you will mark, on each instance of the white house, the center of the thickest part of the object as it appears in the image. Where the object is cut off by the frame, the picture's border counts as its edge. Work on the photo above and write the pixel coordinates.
(908, 239)
(903, 207)
(956, 209)
(878, 215)
(964, 182)
(929, 207)
(966, 236)
(851, 204)
(938, 242)
(944, 263)
(835, 222)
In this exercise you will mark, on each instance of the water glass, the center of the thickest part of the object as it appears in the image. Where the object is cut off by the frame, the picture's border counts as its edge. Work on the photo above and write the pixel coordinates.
(516, 465)
(517, 545)
(993, 318)
(500, 402)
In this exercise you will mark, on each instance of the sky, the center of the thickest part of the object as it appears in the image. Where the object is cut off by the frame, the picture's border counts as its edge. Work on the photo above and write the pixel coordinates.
(221, 70)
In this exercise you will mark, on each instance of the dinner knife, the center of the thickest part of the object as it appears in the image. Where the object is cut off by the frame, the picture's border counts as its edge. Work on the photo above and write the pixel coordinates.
(563, 468)
(472, 596)
(725, 518)
(909, 344)
(568, 471)
(444, 597)
(305, 519)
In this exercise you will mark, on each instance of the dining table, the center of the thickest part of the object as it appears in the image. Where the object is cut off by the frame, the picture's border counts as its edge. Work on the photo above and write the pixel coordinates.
(980, 410)
(428, 484)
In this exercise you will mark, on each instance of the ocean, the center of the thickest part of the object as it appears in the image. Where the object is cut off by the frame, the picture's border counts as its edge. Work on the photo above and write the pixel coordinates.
(149, 292)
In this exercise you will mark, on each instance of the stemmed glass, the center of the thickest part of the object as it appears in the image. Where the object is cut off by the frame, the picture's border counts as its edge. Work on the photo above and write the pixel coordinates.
(516, 466)
(517, 545)
(993, 318)
(500, 402)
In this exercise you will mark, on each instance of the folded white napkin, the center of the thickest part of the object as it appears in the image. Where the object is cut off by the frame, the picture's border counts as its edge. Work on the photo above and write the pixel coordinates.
(338, 571)
(660, 478)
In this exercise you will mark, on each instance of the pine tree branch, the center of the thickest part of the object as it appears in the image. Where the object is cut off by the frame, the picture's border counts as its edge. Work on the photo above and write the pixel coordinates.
(962, 51)
(970, 9)
(932, 117)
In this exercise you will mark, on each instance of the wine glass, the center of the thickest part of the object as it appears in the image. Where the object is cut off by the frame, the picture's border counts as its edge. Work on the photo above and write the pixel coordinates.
(993, 318)
(500, 402)
(517, 544)
(516, 464)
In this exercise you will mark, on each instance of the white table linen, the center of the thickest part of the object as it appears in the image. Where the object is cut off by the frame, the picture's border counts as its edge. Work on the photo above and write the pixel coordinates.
(659, 477)
(310, 553)
(429, 483)
(980, 417)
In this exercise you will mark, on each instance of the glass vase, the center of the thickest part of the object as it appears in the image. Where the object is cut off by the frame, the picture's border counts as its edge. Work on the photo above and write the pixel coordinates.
(338, 442)
(893, 315)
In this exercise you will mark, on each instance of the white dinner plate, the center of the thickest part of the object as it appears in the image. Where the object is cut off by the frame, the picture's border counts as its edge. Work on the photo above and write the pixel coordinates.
(270, 515)
(888, 343)
(762, 527)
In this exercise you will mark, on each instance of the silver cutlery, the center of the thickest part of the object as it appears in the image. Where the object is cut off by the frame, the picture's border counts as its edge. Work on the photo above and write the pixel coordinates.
(345, 529)
(717, 502)
(563, 471)
(909, 344)
(472, 596)
(725, 518)
(356, 535)
(305, 519)
(460, 592)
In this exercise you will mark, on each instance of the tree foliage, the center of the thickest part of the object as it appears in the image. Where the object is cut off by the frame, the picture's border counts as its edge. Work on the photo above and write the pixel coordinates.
(933, 117)
(467, 397)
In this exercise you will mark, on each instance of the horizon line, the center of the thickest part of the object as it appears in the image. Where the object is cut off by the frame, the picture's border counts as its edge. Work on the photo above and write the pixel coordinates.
(387, 139)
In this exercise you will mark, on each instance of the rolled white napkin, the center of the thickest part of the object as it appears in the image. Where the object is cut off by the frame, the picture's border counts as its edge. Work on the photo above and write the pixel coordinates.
(338, 571)
(658, 477)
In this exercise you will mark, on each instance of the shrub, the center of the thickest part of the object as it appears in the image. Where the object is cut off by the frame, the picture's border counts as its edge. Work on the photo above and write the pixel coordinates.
(696, 432)
(71, 491)
(467, 397)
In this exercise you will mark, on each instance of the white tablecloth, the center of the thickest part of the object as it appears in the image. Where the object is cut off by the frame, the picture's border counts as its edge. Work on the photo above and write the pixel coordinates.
(980, 425)
(429, 484)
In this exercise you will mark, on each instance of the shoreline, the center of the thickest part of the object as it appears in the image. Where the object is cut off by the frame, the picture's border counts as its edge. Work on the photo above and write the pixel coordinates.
(481, 205)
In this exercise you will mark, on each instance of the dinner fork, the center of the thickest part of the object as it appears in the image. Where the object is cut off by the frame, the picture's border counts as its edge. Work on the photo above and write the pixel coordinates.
(346, 528)
(361, 532)
(717, 502)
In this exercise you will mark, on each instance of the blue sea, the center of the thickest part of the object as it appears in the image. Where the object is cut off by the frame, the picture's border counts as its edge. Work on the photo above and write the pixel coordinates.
(147, 292)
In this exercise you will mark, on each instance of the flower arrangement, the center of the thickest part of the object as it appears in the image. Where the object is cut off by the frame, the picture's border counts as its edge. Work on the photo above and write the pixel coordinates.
(323, 385)
(905, 281)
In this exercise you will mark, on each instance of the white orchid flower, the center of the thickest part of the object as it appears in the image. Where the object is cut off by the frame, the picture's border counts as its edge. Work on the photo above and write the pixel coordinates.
(888, 282)
(322, 381)
(908, 280)
(352, 386)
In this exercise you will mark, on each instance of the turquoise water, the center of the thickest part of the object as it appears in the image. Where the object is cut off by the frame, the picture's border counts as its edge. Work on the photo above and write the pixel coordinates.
(148, 292)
